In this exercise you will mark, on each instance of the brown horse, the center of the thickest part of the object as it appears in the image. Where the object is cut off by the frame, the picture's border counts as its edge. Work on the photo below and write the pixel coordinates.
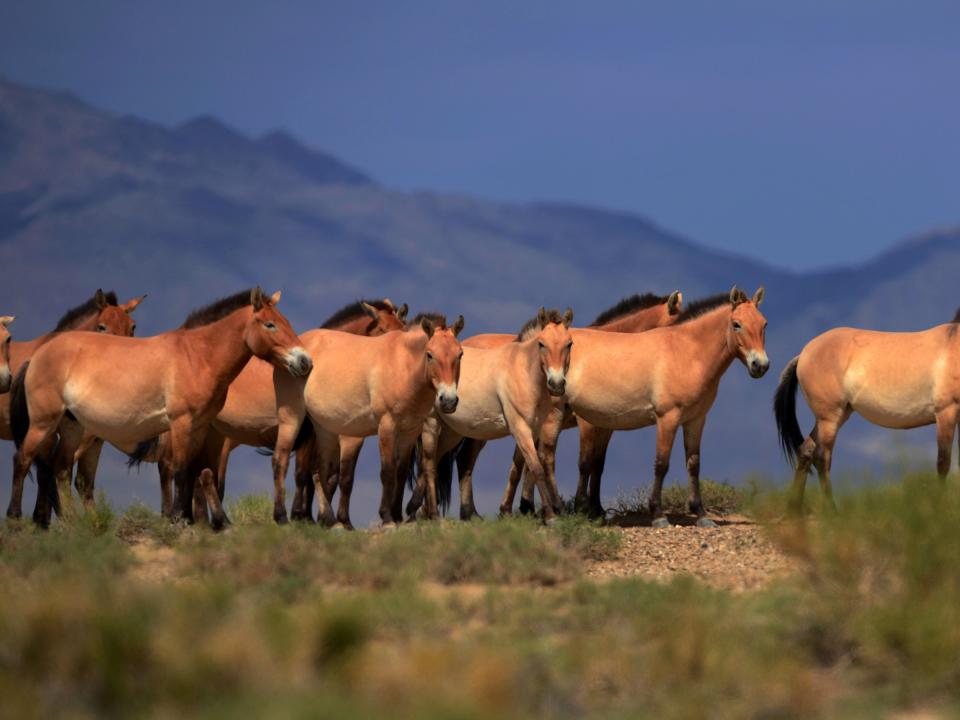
(898, 380)
(101, 313)
(6, 376)
(505, 390)
(667, 377)
(249, 415)
(362, 386)
(634, 314)
(127, 390)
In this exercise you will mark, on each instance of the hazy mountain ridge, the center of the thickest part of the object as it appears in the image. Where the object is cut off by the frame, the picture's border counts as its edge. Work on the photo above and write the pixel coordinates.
(186, 214)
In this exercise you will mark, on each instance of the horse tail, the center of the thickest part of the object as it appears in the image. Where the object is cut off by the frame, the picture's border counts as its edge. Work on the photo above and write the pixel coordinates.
(19, 412)
(445, 476)
(785, 411)
(413, 471)
(145, 451)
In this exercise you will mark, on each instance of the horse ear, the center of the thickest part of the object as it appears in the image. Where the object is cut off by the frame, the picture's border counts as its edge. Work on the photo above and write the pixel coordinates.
(568, 317)
(674, 302)
(402, 312)
(542, 316)
(369, 310)
(758, 296)
(131, 305)
(389, 303)
(275, 298)
(737, 296)
(427, 325)
(457, 326)
(7, 319)
(256, 298)
(100, 299)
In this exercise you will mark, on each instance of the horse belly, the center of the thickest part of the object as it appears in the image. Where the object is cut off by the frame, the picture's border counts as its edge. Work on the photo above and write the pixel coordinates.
(476, 424)
(895, 405)
(116, 417)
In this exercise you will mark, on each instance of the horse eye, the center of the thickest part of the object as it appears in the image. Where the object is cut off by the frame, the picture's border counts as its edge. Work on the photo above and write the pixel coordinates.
(429, 356)
(133, 329)
(270, 325)
(101, 328)
(737, 326)
(542, 346)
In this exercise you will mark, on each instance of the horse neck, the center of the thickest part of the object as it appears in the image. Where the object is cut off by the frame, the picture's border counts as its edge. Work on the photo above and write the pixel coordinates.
(638, 321)
(529, 352)
(87, 324)
(709, 333)
(414, 344)
(220, 347)
(354, 326)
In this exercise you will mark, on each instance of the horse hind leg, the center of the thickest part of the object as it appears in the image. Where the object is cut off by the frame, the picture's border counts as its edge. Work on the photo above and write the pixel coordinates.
(823, 458)
(804, 460)
(946, 428)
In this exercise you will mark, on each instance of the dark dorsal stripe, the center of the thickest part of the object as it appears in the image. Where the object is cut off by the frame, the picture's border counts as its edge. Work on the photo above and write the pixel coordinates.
(702, 307)
(629, 305)
(532, 326)
(216, 310)
(352, 311)
(73, 318)
(438, 319)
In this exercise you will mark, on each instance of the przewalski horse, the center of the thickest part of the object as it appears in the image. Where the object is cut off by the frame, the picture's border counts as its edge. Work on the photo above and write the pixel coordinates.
(6, 374)
(897, 380)
(101, 313)
(128, 390)
(634, 314)
(506, 390)
(668, 377)
(362, 386)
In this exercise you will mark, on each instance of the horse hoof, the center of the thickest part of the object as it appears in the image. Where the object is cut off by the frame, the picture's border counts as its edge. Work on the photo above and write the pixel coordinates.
(526, 507)
(550, 521)
(14, 514)
(280, 517)
(388, 526)
(660, 523)
(217, 522)
(339, 527)
(706, 522)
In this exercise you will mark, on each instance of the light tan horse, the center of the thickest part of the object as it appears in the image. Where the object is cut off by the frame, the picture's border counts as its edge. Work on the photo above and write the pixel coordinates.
(249, 415)
(667, 377)
(101, 313)
(896, 380)
(127, 390)
(636, 313)
(362, 386)
(6, 375)
(506, 390)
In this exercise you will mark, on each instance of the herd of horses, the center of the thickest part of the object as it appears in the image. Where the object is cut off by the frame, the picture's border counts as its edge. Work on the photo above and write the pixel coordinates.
(236, 373)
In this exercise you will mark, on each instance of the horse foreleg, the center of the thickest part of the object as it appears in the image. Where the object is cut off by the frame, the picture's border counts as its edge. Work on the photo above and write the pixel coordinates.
(349, 451)
(601, 441)
(304, 468)
(548, 436)
(387, 436)
(466, 461)
(666, 432)
(692, 433)
(524, 437)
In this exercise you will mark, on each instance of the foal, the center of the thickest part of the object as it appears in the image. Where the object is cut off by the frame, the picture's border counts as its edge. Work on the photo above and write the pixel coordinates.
(128, 390)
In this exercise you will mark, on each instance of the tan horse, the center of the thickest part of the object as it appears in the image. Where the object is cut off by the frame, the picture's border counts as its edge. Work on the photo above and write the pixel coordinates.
(127, 390)
(667, 377)
(101, 313)
(249, 415)
(505, 390)
(897, 380)
(6, 375)
(362, 386)
(637, 313)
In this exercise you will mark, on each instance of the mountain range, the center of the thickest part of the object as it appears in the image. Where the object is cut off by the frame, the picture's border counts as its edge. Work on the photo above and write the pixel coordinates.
(187, 214)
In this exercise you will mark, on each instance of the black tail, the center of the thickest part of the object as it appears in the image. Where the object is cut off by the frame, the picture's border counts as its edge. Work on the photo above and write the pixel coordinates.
(785, 411)
(19, 412)
(445, 476)
(413, 472)
(145, 451)
(47, 485)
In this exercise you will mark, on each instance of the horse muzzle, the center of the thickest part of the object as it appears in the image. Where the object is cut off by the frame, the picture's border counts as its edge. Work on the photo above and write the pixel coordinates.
(447, 399)
(298, 362)
(757, 364)
(556, 383)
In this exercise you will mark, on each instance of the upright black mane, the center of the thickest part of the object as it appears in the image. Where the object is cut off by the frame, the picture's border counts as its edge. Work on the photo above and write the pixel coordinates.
(702, 307)
(216, 310)
(438, 319)
(352, 311)
(526, 332)
(956, 316)
(629, 305)
(72, 318)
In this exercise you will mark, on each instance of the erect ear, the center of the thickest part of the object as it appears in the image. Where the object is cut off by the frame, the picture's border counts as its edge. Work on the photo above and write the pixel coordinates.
(7, 319)
(542, 316)
(131, 305)
(737, 296)
(402, 312)
(275, 298)
(369, 310)
(758, 296)
(427, 325)
(256, 298)
(674, 302)
(389, 303)
(568, 317)
(100, 299)
(457, 326)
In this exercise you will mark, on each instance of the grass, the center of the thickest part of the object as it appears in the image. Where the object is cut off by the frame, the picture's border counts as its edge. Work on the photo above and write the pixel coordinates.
(718, 499)
(476, 620)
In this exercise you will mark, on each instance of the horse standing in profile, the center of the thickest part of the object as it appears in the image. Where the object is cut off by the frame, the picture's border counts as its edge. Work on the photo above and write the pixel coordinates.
(102, 313)
(668, 377)
(362, 386)
(510, 389)
(129, 390)
(6, 374)
(897, 380)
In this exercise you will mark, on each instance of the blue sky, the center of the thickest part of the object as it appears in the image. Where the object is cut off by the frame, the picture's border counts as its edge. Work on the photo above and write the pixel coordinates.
(807, 134)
